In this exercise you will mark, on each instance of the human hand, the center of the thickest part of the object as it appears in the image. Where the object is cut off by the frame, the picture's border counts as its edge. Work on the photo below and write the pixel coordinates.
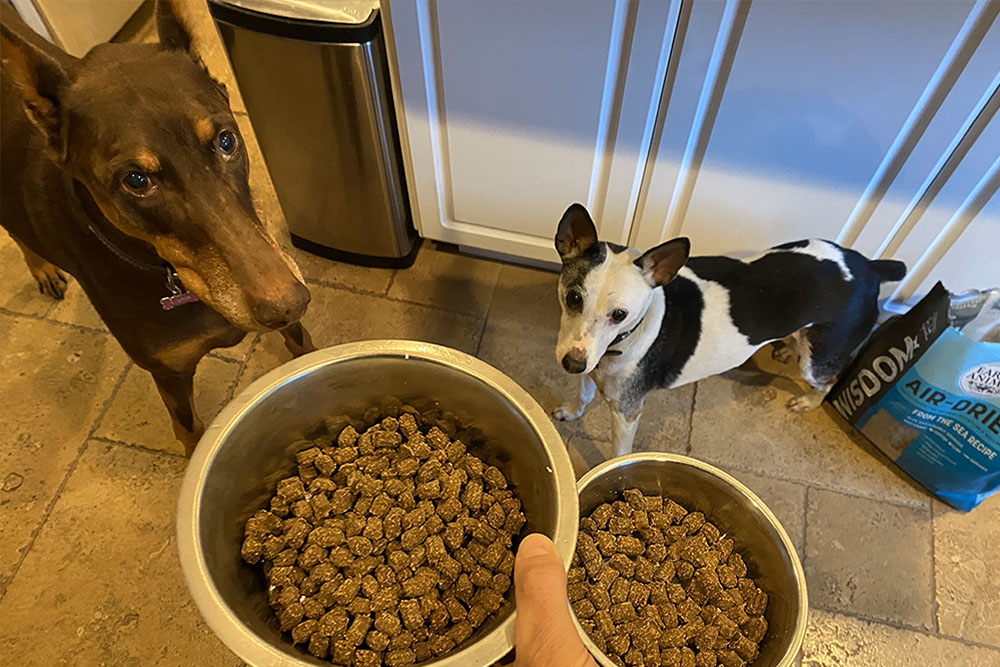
(545, 634)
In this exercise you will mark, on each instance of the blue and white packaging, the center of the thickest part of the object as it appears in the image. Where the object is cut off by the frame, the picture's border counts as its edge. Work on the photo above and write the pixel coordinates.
(928, 396)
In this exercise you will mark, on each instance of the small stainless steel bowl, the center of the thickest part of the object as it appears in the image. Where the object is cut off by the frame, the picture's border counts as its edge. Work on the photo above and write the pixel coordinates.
(251, 445)
(770, 557)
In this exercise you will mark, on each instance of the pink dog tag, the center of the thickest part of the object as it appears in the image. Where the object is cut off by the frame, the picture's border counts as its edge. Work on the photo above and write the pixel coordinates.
(171, 302)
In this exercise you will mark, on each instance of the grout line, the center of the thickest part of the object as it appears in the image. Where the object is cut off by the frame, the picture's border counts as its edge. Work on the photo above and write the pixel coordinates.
(65, 325)
(482, 334)
(934, 602)
(805, 525)
(903, 626)
(141, 448)
(362, 292)
(65, 480)
(694, 395)
(392, 279)
(52, 307)
(242, 369)
(226, 360)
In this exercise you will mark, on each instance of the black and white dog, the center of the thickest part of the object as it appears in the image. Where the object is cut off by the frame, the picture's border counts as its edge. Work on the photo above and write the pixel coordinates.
(632, 323)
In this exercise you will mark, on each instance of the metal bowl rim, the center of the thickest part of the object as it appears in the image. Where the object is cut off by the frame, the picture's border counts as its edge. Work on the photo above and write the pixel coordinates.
(800, 579)
(214, 609)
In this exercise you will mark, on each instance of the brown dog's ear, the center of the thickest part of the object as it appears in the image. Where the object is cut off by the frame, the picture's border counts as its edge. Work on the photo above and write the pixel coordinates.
(576, 232)
(170, 26)
(661, 264)
(42, 82)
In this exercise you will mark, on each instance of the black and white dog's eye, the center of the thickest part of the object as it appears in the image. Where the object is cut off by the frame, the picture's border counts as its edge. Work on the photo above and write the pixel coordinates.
(574, 300)
(227, 142)
(619, 314)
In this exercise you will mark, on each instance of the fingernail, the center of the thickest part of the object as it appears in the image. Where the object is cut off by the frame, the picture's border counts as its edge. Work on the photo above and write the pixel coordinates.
(536, 544)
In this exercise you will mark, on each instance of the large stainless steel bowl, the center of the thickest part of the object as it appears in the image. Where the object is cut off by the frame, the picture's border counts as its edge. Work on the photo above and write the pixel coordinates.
(251, 445)
(770, 557)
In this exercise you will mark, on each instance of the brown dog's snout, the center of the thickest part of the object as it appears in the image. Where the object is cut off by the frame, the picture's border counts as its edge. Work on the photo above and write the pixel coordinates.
(279, 313)
(575, 361)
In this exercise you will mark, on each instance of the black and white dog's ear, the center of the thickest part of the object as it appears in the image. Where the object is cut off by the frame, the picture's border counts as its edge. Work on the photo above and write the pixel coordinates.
(660, 264)
(576, 232)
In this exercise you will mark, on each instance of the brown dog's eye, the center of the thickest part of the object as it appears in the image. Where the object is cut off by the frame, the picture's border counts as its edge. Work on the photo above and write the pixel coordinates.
(227, 143)
(619, 314)
(137, 183)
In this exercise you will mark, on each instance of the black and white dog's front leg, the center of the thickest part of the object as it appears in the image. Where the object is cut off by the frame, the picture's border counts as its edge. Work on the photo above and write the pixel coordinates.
(624, 427)
(574, 409)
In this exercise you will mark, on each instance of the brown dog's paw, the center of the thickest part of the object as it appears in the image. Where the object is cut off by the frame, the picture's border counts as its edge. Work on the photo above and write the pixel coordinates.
(51, 281)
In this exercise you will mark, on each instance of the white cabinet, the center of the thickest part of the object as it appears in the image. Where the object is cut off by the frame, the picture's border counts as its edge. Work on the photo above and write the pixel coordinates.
(738, 124)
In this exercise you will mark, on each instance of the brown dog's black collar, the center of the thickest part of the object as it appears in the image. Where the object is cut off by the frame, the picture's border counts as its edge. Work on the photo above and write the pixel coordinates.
(178, 296)
(622, 336)
(92, 212)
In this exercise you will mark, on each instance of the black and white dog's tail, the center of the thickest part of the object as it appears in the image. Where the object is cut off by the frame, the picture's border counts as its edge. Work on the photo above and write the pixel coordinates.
(888, 270)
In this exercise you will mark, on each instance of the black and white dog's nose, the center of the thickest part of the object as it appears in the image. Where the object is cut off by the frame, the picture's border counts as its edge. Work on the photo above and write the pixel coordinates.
(574, 362)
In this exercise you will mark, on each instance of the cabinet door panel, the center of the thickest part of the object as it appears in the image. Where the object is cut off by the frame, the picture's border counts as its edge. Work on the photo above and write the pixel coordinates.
(513, 111)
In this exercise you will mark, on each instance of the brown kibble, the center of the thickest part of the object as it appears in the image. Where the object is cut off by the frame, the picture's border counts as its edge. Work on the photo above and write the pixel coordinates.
(413, 538)
(377, 640)
(494, 478)
(409, 611)
(460, 632)
(705, 658)
(313, 608)
(583, 608)
(359, 546)
(728, 658)
(388, 623)
(630, 546)
(644, 570)
(599, 597)
(756, 605)
(619, 644)
(623, 612)
(638, 594)
(303, 631)
(291, 615)
(347, 437)
(279, 506)
(623, 564)
(619, 590)
(755, 629)
(252, 550)
(291, 489)
(319, 645)
(395, 522)
(620, 525)
(673, 638)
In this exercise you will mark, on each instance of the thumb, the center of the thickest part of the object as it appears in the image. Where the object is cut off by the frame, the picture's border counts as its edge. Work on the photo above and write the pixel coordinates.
(545, 633)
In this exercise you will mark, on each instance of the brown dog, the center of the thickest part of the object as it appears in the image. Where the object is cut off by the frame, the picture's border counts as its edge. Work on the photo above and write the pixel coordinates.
(126, 169)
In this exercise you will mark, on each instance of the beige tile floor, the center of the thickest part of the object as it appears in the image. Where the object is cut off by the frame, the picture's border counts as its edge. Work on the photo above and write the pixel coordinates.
(89, 473)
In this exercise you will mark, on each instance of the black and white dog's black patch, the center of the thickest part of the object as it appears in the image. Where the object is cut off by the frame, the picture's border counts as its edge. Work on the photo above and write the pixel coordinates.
(636, 322)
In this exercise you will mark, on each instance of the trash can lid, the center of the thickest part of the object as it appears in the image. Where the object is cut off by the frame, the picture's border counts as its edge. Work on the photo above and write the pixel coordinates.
(351, 12)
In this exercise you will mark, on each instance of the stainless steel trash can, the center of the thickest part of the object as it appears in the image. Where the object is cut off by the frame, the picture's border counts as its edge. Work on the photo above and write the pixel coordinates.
(315, 81)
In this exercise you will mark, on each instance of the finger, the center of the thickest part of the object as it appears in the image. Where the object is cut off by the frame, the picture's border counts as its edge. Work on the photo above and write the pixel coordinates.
(545, 633)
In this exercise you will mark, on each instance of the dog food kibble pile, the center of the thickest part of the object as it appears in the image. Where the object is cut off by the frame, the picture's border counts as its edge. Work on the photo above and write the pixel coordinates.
(389, 547)
(653, 584)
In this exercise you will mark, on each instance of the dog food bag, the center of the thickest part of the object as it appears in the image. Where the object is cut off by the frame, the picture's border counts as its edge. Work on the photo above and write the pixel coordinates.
(926, 391)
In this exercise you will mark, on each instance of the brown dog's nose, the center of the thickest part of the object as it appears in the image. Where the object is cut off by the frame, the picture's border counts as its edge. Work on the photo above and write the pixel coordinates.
(279, 313)
(575, 361)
